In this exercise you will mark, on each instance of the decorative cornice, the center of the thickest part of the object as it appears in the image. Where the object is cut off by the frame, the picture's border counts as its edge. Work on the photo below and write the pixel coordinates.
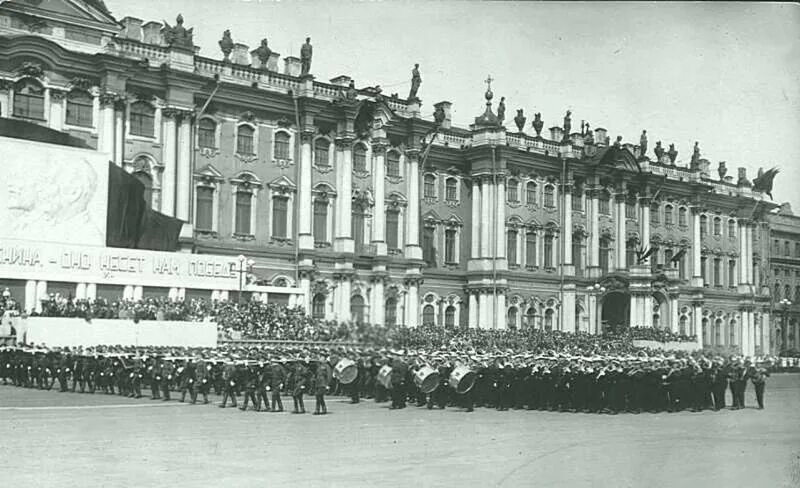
(31, 69)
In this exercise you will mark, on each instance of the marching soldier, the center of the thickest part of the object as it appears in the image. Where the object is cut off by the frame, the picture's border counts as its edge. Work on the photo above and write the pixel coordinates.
(202, 372)
(263, 386)
(277, 378)
(398, 392)
(299, 377)
(322, 378)
(758, 377)
(167, 377)
(230, 378)
(187, 376)
(249, 383)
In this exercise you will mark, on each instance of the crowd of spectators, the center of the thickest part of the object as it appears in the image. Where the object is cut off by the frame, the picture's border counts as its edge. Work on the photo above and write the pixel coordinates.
(649, 334)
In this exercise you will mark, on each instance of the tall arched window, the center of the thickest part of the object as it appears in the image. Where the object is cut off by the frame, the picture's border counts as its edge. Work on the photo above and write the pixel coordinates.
(450, 317)
(630, 252)
(322, 149)
(428, 315)
(357, 308)
(717, 226)
(548, 251)
(390, 312)
(548, 320)
(530, 248)
(451, 190)
(682, 217)
(511, 321)
(549, 196)
(682, 322)
(429, 189)
(142, 119)
(604, 203)
(244, 140)
(530, 193)
(283, 149)
(280, 216)
(668, 219)
(703, 225)
(318, 306)
(320, 220)
(244, 203)
(393, 164)
(577, 200)
(718, 332)
(207, 133)
(513, 191)
(731, 229)
(655, 216)
(577, 254)
(530, 318)
(511, 251)
(732, 332)
(605, 252)
(392, 228)
(630, 209)
(205, 208)
(29, 99)
(359, 158)
(80, 108)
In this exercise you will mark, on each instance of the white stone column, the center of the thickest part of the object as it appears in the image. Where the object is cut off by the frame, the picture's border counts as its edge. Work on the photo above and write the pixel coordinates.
(344, 298)
(56, 119)
(119, 135)
(568, 308)
(412, 309)
(485, 221)
(80, 291)
(91, 291)
(344, 200)
(483, 308)
(30, 296)
(138, 292)
(748, 257)
(500, 223)
(305, 285)
(475, 228)
(127, 292)
(635, 313)
(500, 310)
(169, 175)
(566, 244)
(621, 232)
(172, 294)
(184, 169)
(304, 199)
(673, 313)
(378, 307)
(644, 219)
(592, 205)
(697, 274)
(413, 250)
(41, 294)
(379, 212)
(4, 103)
(105, 134)
(181, 293)
(697, 322)
(591, 305)
(472, 318)
(765, 328)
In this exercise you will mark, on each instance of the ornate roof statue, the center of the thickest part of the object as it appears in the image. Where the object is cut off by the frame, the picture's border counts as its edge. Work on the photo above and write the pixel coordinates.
(226, 44)
(520, 120)
(439, 115)
(673, 154)
(658, 150)
(263, 52)
(722, 170)
(618, 142)
(416, 81)
(537, 123)
(643, 143)
(177, 36)
(695, 156)
(567, 124)
(501, 110)
(305, 57)
(763, 182)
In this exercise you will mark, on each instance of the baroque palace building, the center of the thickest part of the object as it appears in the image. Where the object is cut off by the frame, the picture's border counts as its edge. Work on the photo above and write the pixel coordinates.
(381, 213)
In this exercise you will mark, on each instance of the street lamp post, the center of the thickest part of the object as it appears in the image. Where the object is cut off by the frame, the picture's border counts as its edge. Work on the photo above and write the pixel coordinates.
(785, 304)
(244, 267)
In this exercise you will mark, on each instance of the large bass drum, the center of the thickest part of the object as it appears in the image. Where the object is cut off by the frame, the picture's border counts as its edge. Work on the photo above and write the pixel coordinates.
(462, 379)
(385, 376)
(346, 371)
(426, 379)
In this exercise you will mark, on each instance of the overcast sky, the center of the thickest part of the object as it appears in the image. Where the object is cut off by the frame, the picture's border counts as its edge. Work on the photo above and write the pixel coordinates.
(724, 74)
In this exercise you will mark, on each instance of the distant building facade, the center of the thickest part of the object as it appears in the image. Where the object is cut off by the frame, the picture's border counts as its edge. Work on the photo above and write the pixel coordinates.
(336, 191)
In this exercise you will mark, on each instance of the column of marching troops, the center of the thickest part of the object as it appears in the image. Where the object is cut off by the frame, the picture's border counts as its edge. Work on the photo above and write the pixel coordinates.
(258, 377)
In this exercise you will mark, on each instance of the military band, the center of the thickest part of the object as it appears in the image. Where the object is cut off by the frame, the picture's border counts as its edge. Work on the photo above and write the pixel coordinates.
(500, 380)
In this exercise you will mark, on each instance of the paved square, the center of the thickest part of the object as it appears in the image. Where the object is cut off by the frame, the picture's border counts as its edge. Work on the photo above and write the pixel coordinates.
(72, 440)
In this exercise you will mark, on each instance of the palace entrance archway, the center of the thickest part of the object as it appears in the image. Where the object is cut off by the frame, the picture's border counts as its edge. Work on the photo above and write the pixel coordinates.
(616, 311)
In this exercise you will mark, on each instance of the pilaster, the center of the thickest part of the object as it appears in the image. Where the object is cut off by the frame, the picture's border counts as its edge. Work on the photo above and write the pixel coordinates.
(379, 184)
(304, 200)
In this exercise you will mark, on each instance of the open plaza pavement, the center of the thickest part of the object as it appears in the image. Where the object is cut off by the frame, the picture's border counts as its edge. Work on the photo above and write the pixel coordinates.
(52, 439)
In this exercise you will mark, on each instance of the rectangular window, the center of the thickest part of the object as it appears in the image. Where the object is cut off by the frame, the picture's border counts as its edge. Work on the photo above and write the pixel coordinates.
(244, 140)
(205, 208)
(717, 272)
(682, 267)
(513, 197)
(207, 134)
(320, 221)
(428, 250)
(450, 246)
(243, 204)
(630, 253)
(393, 165)
(511, 247)
(392, 226)
(452, 193)
(80, 109)
(357, 228)
(630, 210)
(703, 265)
(654, 215)
(604, 206)
(429, 188)
(530, 249)
(667, 258)
(548, 251)
(577, 256)
(280, 207)
(731, 273)
(29, 102)
(549, 197)
(142, 119)
(282, 147)
(577, 201)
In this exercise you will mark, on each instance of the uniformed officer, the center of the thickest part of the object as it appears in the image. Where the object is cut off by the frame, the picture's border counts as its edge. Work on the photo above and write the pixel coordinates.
(230, 377)
(277, 379)
(322, 379)
(758, 377)
(299, 378)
